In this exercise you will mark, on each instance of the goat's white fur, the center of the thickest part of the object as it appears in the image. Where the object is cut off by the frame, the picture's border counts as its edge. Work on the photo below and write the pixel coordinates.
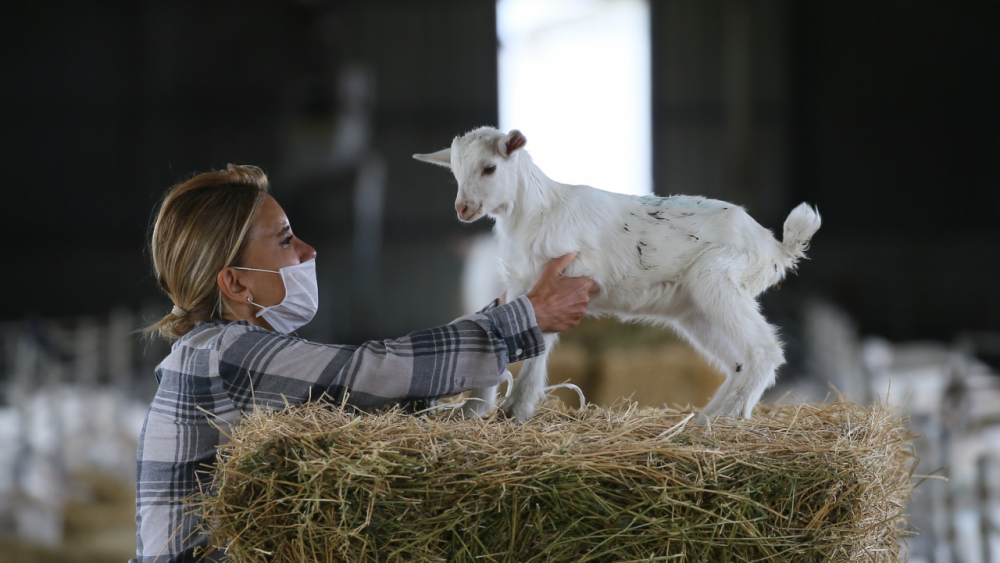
(692, 263)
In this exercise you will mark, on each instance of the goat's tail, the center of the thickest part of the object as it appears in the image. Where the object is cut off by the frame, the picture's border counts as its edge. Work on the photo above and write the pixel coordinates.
(801, 224)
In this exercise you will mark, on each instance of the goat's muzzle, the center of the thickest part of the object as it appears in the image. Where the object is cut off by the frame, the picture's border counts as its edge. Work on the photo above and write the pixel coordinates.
(466, 212)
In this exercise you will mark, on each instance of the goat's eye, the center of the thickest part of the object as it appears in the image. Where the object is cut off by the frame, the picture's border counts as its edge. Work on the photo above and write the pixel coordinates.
(490, 169)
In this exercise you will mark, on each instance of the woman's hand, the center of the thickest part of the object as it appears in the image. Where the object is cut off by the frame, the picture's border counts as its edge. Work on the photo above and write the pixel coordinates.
(560, 302)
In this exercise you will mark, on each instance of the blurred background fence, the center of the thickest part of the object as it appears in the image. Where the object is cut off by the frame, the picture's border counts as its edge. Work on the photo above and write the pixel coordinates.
(75, 392)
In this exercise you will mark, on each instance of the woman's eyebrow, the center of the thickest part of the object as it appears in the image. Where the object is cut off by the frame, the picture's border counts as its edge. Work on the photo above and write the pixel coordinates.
(284, 231)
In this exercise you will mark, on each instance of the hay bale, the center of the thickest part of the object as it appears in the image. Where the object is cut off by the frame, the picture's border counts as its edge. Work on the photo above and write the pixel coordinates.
(667, 375)
(794, 483)
(611, 360)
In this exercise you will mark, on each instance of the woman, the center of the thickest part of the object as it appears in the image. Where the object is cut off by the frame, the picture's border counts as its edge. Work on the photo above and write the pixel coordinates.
(241, 284)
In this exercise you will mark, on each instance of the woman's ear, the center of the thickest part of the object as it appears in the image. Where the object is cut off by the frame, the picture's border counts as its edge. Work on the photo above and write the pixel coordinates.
(232, 286)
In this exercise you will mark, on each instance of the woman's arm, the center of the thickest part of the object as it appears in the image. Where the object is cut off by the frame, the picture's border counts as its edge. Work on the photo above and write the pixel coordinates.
(260, 367)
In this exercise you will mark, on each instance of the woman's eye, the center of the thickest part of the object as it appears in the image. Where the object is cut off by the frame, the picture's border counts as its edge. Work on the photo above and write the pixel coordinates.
(287, 241)
(490, 169)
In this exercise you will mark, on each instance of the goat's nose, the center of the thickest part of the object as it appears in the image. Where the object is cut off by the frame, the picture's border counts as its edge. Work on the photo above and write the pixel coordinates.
(462, 208)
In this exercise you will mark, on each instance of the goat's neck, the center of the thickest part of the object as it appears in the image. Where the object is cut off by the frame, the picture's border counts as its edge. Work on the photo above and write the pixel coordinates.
(536, 195)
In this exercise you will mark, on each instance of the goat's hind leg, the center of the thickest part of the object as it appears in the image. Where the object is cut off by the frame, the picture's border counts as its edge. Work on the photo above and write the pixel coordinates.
(529, 387)
(707, 339)
(733, 329)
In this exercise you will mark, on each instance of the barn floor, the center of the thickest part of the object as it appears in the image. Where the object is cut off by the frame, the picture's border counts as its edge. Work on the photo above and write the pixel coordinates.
(99, 527)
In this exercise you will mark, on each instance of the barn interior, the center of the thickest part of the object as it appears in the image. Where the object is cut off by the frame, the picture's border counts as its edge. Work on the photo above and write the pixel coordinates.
(884, 115)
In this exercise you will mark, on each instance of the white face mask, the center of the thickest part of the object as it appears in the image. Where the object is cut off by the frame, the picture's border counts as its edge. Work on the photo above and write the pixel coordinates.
(301, 297)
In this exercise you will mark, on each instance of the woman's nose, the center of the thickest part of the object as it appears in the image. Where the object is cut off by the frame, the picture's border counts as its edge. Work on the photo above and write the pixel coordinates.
(306, 252)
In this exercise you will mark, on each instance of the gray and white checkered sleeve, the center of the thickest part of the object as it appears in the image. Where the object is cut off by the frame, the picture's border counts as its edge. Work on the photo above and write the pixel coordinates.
(259, 367)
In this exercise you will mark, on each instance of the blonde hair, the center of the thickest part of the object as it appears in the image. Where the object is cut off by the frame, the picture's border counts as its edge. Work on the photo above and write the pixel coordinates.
(202, 226)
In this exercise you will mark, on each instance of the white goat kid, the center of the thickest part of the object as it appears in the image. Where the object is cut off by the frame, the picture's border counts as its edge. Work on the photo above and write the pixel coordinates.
(692, 263)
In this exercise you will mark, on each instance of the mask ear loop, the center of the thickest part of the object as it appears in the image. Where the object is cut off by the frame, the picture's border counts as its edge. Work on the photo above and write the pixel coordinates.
(255, 269)
(262, 308)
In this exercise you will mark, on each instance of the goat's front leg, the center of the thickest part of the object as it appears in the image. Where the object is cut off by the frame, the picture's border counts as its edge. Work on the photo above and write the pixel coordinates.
(529, 387)
(480, 402)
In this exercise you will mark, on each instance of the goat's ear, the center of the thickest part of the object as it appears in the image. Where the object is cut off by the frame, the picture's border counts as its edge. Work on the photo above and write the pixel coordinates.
(511, 142)
(441, 158)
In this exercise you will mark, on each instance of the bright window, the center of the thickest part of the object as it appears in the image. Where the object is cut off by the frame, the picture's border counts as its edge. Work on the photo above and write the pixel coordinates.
(575, 79)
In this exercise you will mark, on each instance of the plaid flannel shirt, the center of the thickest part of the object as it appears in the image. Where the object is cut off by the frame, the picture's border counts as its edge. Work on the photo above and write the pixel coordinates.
(219, 371)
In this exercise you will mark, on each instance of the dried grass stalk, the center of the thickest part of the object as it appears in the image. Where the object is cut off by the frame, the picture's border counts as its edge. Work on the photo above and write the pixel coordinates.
(794, 483)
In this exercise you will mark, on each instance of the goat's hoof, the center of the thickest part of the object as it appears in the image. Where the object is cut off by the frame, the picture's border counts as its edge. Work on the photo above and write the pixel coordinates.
(477, 409)
(720, 412)
(734, 415)
(524, 415)
(518, 411)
